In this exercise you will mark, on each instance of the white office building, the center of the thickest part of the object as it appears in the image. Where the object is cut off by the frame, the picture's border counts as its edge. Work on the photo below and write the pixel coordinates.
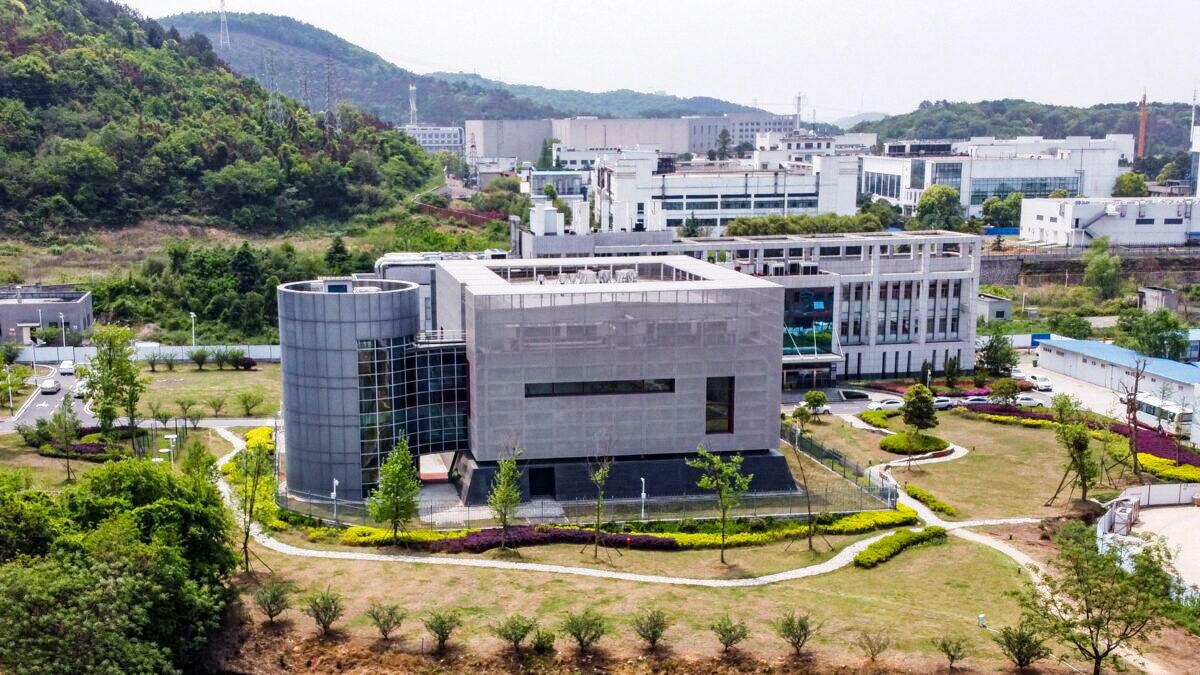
(435, 139)
(639, 191)
(1140, 221)
(986, 167)
(773, 149)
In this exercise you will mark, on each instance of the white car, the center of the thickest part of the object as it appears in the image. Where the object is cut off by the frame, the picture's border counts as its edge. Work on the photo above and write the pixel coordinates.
(66, 368)
(942, 403)
(974, 400)
(819, 410)
(49, 386)
(1027, 401)
(1041, 382)
(886, 404)
(79, 390)
(1017, 375)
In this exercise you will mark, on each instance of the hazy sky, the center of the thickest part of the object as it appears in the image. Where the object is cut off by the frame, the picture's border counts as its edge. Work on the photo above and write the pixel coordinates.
(847, 56)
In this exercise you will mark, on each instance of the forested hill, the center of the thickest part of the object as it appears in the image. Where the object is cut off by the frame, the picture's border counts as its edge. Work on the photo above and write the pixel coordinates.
(1166, 132)
(617, 103)
(106, 118)
(301, 60)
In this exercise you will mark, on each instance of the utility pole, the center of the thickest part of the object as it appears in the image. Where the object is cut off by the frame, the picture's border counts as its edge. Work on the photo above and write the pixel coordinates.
(223, 41)
(799, 107)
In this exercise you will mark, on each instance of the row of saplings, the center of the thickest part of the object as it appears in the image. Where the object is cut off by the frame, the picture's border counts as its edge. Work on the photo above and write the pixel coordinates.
(1022, 645)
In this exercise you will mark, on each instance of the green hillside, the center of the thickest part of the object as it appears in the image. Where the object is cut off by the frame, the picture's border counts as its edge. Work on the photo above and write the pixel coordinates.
(107, 119)
(300, 60)
(1166, 132)
(617, 103)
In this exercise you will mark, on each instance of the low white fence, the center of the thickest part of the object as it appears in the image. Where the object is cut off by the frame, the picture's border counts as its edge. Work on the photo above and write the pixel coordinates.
(47, 354)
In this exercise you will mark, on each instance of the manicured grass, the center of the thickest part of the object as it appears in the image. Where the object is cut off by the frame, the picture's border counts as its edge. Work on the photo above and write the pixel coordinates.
(166, 387)
(926, 593)
(1010, 471)
(858, 445)
(46, 473)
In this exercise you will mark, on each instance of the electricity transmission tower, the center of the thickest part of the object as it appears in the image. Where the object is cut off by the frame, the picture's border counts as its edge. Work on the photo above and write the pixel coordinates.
(223, 40)
(412, 104)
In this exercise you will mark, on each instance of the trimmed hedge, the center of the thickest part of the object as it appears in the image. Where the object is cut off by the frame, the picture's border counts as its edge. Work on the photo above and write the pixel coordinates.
(926, 497)
(890, 546)
(263, 436)
(869, 521)
(362, 535)
(910, 444)
(878, 418)
(1159, 467)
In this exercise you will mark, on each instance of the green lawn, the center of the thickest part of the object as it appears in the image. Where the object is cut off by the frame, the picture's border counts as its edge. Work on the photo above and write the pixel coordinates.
(167, 387)
(1010, 471)
(858, 445)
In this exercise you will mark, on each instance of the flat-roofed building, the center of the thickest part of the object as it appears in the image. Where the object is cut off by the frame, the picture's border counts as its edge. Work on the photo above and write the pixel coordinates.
(24, 308)
(1126, 221)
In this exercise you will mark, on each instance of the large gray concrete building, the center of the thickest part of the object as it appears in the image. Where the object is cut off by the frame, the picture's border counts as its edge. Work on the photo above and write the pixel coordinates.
(635, 359)
(24, 308)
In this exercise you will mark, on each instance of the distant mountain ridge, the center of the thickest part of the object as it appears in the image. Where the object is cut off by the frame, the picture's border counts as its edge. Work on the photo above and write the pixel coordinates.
(615, 103)
(299, 58)
(1167, 129)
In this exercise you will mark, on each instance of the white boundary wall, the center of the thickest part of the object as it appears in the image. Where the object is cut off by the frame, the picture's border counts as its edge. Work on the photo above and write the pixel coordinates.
(53, 355)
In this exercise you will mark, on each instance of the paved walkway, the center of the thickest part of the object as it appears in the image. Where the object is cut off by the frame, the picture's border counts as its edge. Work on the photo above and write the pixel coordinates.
(1180, 527)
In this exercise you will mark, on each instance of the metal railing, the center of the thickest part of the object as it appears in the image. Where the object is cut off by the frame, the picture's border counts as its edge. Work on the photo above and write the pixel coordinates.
(857, 475)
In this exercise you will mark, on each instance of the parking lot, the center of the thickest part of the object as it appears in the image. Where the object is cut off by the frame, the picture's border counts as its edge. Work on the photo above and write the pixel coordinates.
(1093, 397)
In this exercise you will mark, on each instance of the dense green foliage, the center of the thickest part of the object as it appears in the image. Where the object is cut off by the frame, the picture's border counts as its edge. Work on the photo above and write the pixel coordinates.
(893, 544)
(912, 444)
(108, 119)
(803, 224)
(300, 56)
(123, 572)
(1160, 333)
(928, 499)
(615, 103)
(1130, 184)
(1167, 130)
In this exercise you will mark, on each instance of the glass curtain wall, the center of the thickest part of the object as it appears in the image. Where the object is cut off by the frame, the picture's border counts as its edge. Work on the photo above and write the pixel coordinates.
(808, 321)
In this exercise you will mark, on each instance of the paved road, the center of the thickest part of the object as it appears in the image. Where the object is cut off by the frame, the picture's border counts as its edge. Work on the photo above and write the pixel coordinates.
(39, 405)
(1180, 527)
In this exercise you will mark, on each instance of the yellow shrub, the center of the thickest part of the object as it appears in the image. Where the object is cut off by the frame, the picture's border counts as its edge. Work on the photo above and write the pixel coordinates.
(363, 535)
(261, 437)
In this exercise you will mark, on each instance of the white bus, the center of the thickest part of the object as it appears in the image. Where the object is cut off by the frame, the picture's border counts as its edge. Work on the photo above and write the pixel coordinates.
(1164, 414)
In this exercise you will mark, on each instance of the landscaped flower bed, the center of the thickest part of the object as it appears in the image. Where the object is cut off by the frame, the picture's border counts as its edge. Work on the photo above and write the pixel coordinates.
(963, 388)
(912, 444)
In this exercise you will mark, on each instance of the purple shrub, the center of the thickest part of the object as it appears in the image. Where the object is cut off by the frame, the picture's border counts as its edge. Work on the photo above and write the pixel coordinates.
(528, 535)
(89, 448)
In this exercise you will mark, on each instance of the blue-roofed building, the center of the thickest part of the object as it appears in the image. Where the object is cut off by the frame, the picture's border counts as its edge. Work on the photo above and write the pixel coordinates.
(1110, 366)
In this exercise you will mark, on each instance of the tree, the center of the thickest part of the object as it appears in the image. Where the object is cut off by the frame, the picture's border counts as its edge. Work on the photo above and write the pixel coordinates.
(724, 141)
(1094, 601)
(796, 630)
(650, 625)
(12, 380)
(1159, 334)
(997, 355)
(250, 400)
(1130, 184)
(599, 476)
(441, 625)
(1006, 390)
(253, 464)
(110, 373)
(64, 429)
(586, 628)
(545, 160)
(216, 403)
(1102, 270)
(1071, 325)
(952, 371)
(514, 630)
(729, 632)
(724, 478)
(337, 258)
(505, 496)
(386, 617)
(1081, 466)
(919, 413)
(802, 415)
(1022, 645)
(396, 498)
(1004, 212)
(9, 352)
(1067, 409)
(131, 385)
(938, 209)
(199, 356)
(815, 400)
(274, 597)
(185, 405)
(1058, 193)
(1129, 396)
(953, 647)
(691, 227)
(325, 608)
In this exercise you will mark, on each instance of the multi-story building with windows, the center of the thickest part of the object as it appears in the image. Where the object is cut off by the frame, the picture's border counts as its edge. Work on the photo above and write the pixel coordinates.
(1141, 221)
(435, 139)
(986, 167)
(871, 304)
(636, 191)
(773, 149)
(635, 359)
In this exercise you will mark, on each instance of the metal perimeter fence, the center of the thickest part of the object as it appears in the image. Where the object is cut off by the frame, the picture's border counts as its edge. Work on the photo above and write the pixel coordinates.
(871, 484)
(859, 492)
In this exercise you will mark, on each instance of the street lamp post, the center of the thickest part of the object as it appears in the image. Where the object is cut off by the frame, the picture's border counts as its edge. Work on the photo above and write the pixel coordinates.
(333, 496)
(8, 386)
(193, 315)
(62, 323)
(34, 341)
(643, 499)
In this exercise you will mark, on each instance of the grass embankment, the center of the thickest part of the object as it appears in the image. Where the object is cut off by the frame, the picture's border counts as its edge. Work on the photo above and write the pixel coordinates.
(166, 387)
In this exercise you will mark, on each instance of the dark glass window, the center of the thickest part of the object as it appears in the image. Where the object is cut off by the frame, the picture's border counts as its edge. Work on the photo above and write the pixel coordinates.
(718, 406)
(598, 388)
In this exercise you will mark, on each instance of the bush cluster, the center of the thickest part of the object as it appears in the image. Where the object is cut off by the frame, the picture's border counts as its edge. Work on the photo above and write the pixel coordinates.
(869, 521)
(912, 444)
(925, 497)
(362, 535)
(890, 546)
(263, 436)
(878, 418)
